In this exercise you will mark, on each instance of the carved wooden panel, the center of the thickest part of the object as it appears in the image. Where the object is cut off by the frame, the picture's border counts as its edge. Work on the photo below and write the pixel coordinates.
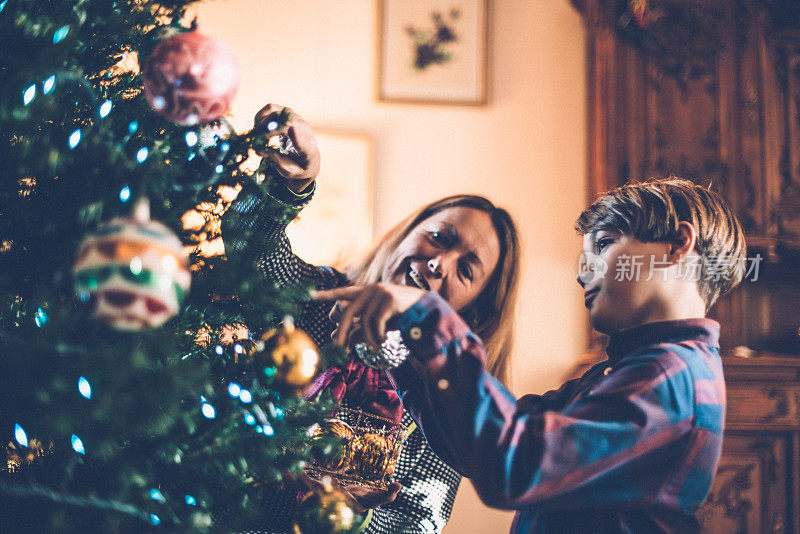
(763, 404)
(694, 108)
(757, 485)
(785, 208)
(749, 491)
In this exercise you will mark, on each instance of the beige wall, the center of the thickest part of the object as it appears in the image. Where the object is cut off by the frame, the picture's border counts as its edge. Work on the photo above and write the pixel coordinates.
(525, 150)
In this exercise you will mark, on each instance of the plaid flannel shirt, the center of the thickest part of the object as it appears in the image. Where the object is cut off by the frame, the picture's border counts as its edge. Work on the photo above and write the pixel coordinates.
(631, 446)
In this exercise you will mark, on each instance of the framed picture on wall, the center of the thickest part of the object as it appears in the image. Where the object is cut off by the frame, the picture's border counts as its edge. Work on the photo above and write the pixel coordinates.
(433, 51)
(336, 226)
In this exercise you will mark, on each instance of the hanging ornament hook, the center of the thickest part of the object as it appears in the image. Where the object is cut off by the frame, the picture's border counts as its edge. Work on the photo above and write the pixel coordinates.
(141, 210)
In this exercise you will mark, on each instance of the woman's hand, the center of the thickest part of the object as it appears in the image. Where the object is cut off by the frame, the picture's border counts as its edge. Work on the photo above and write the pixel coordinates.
(367, 497)
(364, 497)
(301, 168)
(370, 308)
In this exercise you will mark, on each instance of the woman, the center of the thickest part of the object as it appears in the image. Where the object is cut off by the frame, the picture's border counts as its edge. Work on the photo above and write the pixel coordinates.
(462, 246)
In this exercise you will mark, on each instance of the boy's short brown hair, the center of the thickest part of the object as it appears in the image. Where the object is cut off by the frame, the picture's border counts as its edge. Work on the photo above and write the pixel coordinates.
(651, 210)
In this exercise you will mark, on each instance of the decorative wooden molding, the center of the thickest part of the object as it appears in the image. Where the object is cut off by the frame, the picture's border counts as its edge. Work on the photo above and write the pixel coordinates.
(730, 496)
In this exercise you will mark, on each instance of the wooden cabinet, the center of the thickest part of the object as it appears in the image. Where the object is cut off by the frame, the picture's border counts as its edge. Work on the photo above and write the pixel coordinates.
(707, 89)
(757, 485)
(710, 90)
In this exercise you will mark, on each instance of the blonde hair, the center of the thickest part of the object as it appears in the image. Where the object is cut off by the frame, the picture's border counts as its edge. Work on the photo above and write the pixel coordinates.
(491, 314)
(651, 211)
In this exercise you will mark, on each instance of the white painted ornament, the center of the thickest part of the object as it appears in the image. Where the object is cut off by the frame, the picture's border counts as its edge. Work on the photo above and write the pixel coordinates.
(133, 272)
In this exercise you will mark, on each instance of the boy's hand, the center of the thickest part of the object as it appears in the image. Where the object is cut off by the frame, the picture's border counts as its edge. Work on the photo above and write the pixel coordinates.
(301, 167)
(370, 307)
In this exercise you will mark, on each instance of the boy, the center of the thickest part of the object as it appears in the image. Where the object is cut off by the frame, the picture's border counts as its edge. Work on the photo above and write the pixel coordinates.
(632, 445)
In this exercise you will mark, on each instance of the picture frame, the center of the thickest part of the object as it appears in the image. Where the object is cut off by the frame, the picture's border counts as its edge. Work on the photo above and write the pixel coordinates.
(433, 51)
(336, 227)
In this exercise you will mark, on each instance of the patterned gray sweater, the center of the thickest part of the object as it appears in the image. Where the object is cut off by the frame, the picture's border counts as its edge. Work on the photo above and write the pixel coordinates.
(424, 504)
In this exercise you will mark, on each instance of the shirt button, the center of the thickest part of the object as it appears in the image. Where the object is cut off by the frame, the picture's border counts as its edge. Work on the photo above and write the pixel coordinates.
(415, 332)
(607, 371)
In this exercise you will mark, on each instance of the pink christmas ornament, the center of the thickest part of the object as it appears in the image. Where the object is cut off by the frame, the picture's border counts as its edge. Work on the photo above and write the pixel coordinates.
(190, 78)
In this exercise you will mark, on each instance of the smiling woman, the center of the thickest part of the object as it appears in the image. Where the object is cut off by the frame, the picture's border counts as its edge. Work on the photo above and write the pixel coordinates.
(466, 249)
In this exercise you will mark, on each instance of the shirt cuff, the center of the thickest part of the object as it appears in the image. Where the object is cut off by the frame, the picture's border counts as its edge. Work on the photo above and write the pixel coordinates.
(278, 191)
(429, 325)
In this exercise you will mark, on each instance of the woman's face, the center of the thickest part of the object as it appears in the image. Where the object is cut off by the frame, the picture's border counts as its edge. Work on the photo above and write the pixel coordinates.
(453, 252)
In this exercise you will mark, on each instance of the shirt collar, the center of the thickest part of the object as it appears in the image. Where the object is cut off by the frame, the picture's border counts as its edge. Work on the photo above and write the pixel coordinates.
(626, 341)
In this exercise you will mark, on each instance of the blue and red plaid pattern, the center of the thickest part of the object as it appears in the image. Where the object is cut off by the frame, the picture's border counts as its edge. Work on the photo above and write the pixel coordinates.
(631, 446)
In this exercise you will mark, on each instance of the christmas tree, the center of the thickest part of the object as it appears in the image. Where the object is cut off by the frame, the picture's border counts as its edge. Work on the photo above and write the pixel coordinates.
(150, 404)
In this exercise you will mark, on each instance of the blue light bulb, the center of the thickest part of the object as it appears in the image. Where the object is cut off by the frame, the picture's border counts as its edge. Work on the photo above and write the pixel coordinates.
(219, 168)
(74, 139)
(234, 389)
(84, 388)
(28, 94)
(20, 435)
(142, 154)
(191, 138)
(40, 318)
(190, 500)
(249, 419)
(156, 495)
(133, 126)
(125, 194)
(77, 444)
(105, 108)
(268, 430)
(245, 396)
(208, 411)
(60, 34)
(155, 519)
(48, 84)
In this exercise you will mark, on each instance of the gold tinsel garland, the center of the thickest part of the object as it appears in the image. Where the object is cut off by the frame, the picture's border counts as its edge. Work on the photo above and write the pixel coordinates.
(19, 457)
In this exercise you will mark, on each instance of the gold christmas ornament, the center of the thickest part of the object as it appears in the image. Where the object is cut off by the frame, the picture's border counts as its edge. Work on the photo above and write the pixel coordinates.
(371, 456)
(334, 428)
(327, 510)
(292, 352)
